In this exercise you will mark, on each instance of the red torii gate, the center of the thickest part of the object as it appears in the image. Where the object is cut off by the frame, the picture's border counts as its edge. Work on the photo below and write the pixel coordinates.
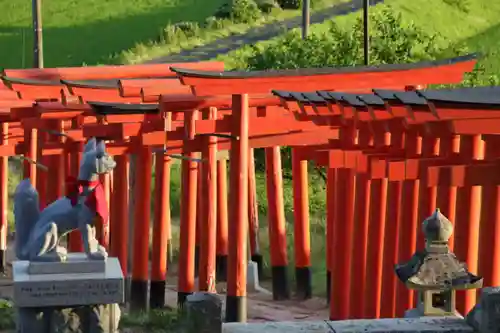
(148, 130)
(239, 84)
(425, 119)
(21, 88)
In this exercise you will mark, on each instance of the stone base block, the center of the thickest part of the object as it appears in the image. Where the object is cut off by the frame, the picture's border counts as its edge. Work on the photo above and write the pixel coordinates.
(253, 285)
(76, 263)
(70, 289)
(252, 277)
(415, 325)
(485, 316)
(81, 319)
(416, 313)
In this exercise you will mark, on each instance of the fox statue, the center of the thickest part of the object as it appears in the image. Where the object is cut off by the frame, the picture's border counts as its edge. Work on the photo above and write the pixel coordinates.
(38, 232)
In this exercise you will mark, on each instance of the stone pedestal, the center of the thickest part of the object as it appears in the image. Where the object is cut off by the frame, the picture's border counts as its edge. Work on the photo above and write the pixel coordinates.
(253, 285)
(485, 316)
(417, 313)
(78, 296)
(202, 313)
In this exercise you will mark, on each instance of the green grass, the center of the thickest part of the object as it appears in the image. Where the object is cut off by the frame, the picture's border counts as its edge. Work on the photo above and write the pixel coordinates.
(477, 28)
(159, 321)
(152, 49)
(94, 32)
(90, 31)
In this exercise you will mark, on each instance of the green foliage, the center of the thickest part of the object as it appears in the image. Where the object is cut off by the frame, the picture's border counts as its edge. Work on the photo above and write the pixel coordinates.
(290, 4)
(267, 6)
(190, 29)
(7, 320)
(463, 5)
(175, 33)
(297, 4)
(239, 11)
(214, 23)
(152, 321)
(392, 41)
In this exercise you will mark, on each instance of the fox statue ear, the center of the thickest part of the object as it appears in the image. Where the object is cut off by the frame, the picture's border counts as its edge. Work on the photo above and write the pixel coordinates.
(101, 147)
(90, 146)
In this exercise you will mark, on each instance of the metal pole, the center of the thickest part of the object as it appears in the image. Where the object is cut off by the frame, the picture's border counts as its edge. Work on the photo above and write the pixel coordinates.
(366, 19)
(38, 38)
(306, 18)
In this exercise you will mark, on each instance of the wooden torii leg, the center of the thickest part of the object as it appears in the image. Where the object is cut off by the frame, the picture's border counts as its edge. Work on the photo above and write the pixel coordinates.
(119, 217)
(161, 228)
(140, 265)
(392, 222)
(446, 197)
(301, 226)
(200, 219)
(331, 181)
(489, 251)
(407, 239)
(253, 214)
(208, 244)
(185, 284)
(236, 303)
(467, 223)
(361, 225)
(222, 246)
(46, 193)
(408, 222)
(102, 231)
(31, 141)
(4, 197)
(427, 194)
(378, 204)
(344, 228)
(75, 243)
(277, 224)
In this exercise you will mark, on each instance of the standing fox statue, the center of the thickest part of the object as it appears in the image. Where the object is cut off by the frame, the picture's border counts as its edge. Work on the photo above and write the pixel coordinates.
(38, 232)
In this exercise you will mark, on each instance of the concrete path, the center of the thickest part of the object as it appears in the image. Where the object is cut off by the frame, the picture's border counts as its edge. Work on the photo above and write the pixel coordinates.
(266, 32)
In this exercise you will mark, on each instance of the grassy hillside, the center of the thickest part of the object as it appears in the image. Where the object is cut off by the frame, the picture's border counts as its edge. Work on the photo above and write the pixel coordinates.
(90, 31)
(119, 31)
(471, 23)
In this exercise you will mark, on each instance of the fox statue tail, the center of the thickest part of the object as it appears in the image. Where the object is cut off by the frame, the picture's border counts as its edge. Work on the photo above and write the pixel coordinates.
(26, 213)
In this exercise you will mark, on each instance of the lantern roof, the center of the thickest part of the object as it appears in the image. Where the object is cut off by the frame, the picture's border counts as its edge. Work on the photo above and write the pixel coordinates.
(436, 267)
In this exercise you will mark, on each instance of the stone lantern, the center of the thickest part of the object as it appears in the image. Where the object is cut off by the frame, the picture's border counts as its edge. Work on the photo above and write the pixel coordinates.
(436, 273)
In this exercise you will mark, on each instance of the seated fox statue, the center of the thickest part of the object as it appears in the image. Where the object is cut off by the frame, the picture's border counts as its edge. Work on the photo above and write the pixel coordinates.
(38, 232)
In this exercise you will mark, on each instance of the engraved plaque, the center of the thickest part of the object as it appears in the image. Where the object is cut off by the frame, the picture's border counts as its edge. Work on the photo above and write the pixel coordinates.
(68, 289)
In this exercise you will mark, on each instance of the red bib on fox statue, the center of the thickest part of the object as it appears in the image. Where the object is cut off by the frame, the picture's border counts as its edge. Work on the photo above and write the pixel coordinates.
(96, 200)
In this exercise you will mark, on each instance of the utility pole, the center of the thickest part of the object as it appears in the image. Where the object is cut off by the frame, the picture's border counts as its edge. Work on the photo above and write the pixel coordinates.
(306, 17)
(366, 21)
(38, 36)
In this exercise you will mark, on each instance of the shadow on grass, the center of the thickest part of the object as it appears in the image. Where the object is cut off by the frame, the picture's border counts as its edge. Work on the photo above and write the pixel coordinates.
(487, 43)
(266, 32)
(94, 42)
(152, 321)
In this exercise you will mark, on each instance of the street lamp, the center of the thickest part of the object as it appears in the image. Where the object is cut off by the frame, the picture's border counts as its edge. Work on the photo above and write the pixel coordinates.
(38, 38)
(306, 16)
(366, 35)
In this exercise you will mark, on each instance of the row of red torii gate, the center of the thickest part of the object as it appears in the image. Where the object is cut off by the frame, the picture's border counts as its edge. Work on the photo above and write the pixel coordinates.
(393, 151)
